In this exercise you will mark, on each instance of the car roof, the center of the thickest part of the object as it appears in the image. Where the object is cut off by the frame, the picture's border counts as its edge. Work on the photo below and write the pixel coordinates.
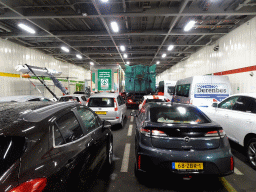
(245, 94)
(19, 98)
(152, 96)
(104, 94)
(31, 112)
(168, 104)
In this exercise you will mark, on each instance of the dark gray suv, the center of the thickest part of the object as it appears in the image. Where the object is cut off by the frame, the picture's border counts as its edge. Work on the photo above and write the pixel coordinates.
(44, 145)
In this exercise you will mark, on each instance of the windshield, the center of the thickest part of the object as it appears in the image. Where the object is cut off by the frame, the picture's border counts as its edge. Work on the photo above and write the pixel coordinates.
(171, 90)
(101, 102)
(11, 149)
(177, 115)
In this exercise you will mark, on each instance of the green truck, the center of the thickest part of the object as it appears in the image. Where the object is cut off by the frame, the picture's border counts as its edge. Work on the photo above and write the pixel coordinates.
(140, 80)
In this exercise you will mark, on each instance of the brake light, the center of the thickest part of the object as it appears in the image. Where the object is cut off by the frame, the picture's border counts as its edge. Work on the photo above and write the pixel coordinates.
(129, 101)
(222, 133)
(158, 133)
(231, 163)
(212, 134)
(87, 102)
(34, 185)
(116, 109)
(168, 100)
(80, 102)
(154, 132)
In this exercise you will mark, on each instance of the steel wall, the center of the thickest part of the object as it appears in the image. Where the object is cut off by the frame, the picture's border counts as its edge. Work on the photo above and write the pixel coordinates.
(237, 50)
(12, 54)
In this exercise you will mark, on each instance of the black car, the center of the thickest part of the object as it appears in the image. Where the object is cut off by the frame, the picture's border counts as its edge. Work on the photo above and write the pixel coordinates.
(180, 139)
(44, 145)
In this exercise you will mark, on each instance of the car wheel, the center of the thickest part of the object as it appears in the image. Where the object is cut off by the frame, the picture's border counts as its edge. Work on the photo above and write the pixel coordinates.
(251, 152)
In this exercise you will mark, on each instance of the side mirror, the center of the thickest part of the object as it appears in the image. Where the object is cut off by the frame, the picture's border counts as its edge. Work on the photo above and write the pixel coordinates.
(106, 124)
(215, 105)
(134, 114)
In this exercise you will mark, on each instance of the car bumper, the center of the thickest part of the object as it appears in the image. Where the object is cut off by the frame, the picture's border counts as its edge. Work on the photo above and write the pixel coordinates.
(112, 121)
(215, 162)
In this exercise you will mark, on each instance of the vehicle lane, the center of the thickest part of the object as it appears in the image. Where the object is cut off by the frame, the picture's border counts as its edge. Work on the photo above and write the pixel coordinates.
(122, 176)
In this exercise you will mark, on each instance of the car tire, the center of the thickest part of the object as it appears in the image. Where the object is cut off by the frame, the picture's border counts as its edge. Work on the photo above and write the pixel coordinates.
(122, 122)
(109, 159)
(251, 152)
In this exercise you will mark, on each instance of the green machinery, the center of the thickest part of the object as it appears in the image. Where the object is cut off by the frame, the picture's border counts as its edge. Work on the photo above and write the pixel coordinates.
(140, 79)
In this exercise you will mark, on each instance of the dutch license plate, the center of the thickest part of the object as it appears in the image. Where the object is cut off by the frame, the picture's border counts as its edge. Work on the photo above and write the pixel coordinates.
(183, 165)
(101, 112)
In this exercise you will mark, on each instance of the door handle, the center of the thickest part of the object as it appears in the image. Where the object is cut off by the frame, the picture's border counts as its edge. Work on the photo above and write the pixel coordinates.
(70, 162)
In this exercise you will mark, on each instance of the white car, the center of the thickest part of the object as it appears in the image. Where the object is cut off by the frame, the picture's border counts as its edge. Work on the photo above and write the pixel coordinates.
(108, 106)
(152, 98)
(237, 115)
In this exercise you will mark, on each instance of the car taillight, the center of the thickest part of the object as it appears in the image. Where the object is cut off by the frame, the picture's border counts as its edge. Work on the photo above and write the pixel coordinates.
(220, 133)
(231, 163)
(87, 102)
(168, 100)
(34, 185)
(116, 109)
(129, 101)
(154, 132)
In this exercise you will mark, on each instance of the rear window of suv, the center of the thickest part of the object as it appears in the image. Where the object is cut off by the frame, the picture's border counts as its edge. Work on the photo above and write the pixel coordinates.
(11, 149)
(101, 102)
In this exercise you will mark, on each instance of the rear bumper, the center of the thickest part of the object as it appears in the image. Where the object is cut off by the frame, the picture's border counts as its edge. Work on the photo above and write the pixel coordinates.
(215, 162)
(112, 121)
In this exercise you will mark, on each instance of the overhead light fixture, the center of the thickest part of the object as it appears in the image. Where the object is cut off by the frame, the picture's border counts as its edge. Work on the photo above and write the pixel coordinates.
(114, 26)
(128, 62)
(189, 25)
(104, 1)
(158, 62)
(84, 14)
(170, 47)
(27, 28)
(65, 49)
(79, 56)
(164, 55)
(122, 48)
(125, 56)
(91, 63)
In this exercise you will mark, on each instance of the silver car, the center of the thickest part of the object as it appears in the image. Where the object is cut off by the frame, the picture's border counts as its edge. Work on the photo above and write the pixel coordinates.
(75, 97)
(109, 106)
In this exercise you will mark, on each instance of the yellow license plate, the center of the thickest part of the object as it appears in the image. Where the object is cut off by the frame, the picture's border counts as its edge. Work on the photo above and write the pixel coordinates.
(183, 165)
(101, 112)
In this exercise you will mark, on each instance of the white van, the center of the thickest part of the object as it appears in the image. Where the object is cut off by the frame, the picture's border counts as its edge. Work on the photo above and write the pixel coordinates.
(202, 91)
(169, 88)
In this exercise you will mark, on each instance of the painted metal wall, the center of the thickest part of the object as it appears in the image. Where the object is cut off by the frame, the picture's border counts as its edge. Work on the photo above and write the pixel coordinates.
(237, 50)
(12, 54)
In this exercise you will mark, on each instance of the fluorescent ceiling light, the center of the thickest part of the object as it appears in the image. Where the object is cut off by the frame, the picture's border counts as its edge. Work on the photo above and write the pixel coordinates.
(114, 26)
(128, 63)
(104, 1)
(125, 56)
(65, 49)
(158, 62)
(26, 28)
(79, 56)
(170, 47)
(164, 55)
(122, 48)
(189, 25)
(91, 63)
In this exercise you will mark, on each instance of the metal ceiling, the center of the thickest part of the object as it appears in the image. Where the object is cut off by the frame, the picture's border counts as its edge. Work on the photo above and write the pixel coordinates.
(147, 28)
